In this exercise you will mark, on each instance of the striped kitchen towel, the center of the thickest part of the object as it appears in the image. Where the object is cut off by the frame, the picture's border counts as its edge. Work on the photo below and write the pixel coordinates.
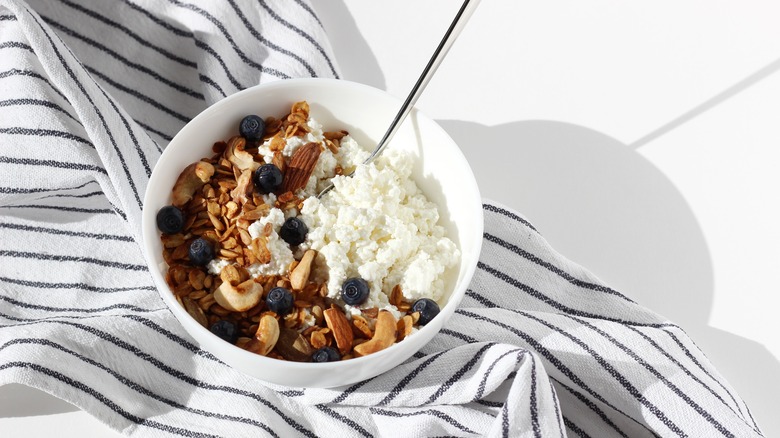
(90, 94)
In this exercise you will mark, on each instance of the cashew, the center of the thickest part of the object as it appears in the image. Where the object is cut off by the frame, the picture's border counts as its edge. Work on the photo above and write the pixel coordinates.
(190, 180)
(384, 335)
(300, 275)
(267, 334)
(236, 154)
(239, 298)
(243, 188)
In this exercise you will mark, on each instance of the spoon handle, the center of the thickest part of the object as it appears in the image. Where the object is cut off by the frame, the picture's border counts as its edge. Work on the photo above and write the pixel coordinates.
(456, 26)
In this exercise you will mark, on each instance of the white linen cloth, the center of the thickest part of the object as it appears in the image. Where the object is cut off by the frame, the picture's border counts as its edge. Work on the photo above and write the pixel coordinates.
(90, 94)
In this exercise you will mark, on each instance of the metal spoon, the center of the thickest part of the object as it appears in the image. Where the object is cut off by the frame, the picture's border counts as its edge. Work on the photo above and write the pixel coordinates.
(456, 26)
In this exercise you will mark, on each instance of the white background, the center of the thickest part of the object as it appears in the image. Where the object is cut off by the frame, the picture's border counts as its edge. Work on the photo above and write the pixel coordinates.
(641, 138)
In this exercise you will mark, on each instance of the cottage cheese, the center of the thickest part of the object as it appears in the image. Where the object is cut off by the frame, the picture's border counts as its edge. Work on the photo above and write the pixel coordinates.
(379, 226)
(281, 254)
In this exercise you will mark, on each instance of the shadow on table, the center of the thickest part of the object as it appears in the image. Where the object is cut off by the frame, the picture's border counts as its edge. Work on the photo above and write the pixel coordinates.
(355, 58)
(597, 199)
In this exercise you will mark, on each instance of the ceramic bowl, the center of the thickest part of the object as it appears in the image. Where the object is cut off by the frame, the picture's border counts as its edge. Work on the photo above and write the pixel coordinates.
(441, 171)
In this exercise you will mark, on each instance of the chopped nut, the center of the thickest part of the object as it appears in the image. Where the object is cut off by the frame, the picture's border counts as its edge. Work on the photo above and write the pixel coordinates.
(300, 167)
(404, 327)
(195, 311)
(384, 335)
(300, 275)
(238, 298)
(190, 180)
(267, 334)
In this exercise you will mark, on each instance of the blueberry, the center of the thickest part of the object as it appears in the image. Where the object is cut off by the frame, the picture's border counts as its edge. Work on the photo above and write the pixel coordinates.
(279, 300)
(354, 291)
(428, 310)
(201, 252)
(293, 231)
(170, 220)
(326, 354)
(225, 330)
(267, 178)
(252, 128)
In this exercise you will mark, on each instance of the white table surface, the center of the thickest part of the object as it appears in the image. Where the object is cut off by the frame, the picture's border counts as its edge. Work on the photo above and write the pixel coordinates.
(641, 138)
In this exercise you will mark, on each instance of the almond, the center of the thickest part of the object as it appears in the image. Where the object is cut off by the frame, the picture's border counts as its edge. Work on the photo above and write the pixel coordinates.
(339, 325)
(301, 166)
(300, 275)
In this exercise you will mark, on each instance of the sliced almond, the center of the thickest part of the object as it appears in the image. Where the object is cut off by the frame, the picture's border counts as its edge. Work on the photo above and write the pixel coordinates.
(362, 326)
(293, 346)
(318, 340)
(190, 180)
(385, 333)
(301, 166)
(339, 325)
(300, 275)
(278, 161)
(195, 311)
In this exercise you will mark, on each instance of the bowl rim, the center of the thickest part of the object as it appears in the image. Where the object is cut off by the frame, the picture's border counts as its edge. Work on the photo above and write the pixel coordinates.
(149, 230)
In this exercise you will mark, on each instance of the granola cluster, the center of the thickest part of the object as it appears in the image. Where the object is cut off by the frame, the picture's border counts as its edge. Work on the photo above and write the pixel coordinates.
(219, 203)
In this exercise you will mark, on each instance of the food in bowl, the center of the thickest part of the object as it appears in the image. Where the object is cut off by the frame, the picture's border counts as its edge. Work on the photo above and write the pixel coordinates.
(253, 254)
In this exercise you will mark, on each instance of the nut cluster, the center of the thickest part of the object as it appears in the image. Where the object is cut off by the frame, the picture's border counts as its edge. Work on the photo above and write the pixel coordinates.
(218, 199)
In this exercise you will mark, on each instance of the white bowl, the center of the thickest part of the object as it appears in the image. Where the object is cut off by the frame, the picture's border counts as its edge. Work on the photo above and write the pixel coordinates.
(440, 170)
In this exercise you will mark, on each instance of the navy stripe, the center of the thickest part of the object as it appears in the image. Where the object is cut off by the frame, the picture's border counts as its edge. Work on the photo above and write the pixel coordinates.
(547, 354)
(556, 405)
(483, 382)
(136, 94)
(15, 45)
(508, 214)
(505, 419)
(408, 378)
(32, 74)
(489, 403)
(552, 268)
(103, 399)
(42, 189)
(60, 208)
(232, 42)
(97, 111)
(459, 374)
(302, 33)
(557, 305)
(198, 43)
(168, 370)
(267, 42)
(26, 191)
(691, 375)
(37, 132)
(164, 24)
(131, 34)
(79, 309)
(65, 258)
(38, 102)
(699, 365)
(533, 406)
(77, 286)
(306, 8)
(205, 47)
(160, 134)
(592, 406)
(461, 336)
(346, 393)
(701, 411)
(208, 80)
(122, 59)
(7, 18)
(52, 163)
(573, 427)
(98, 236)
(349, 422)
(68, 195)
(433, 412)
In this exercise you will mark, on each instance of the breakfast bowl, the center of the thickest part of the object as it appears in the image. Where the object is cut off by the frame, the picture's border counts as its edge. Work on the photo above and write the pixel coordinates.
(439, 170)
